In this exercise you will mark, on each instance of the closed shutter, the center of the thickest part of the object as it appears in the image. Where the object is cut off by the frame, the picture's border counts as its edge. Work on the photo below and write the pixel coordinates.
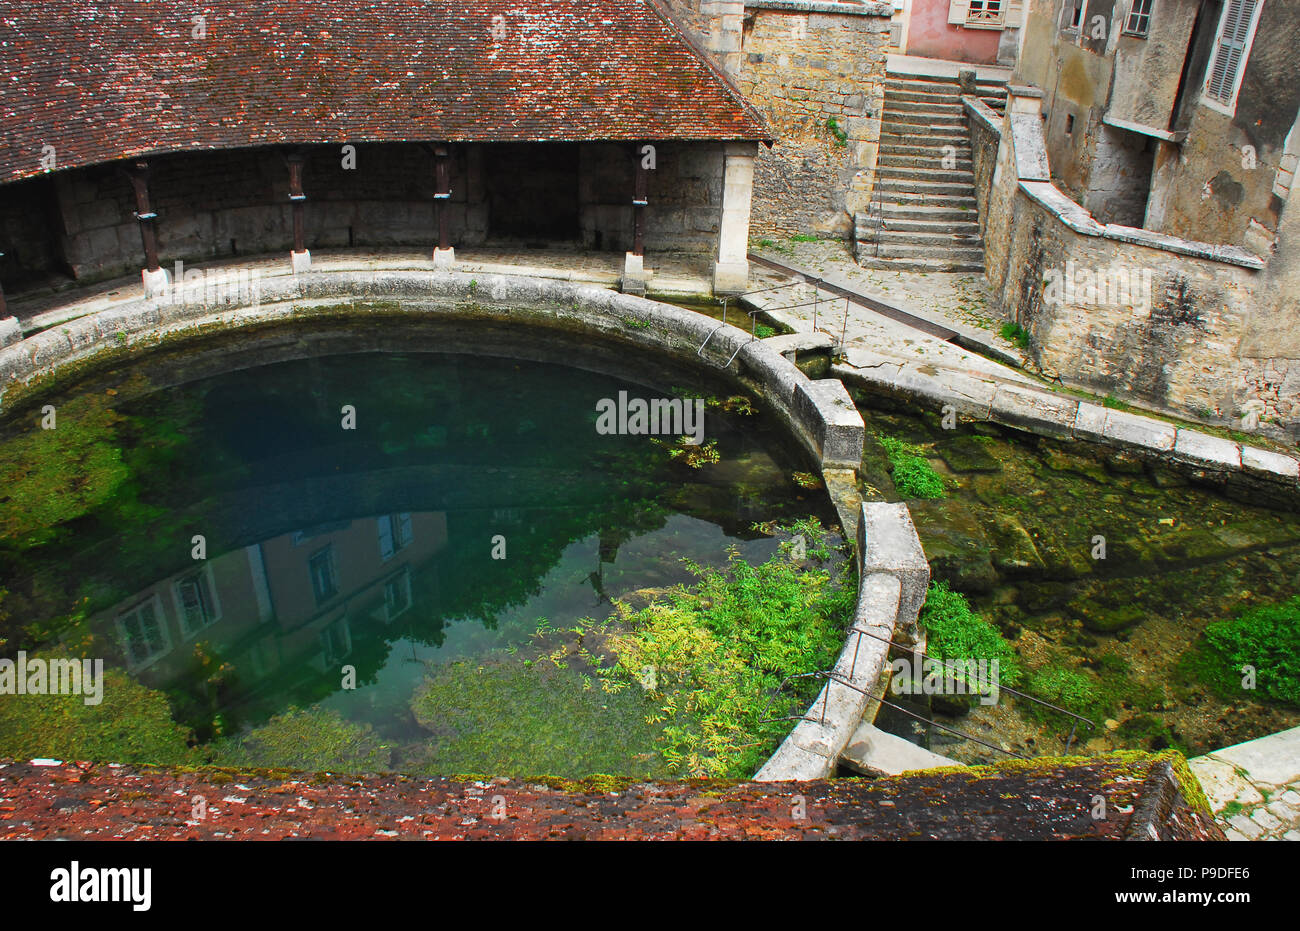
(958, 10)
(386, 548)
(1230, 51)
(403, 528)
(1015, 14)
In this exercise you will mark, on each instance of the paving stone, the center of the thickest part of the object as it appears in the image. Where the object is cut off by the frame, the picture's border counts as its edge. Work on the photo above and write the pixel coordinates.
(1287, 813)
(1265, 820)
(1291, 835)
(1272, 760)
(1222, 784)
(1247, 827)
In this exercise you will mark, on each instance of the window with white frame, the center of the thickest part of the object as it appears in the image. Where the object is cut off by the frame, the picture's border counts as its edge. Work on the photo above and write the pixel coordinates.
(1231, 51)
(144, 633)
(984, 12)
(196, 602)
(1138, 22)
(394, 533)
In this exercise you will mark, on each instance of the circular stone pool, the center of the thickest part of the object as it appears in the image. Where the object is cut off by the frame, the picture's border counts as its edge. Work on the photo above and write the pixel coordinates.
(370, 560)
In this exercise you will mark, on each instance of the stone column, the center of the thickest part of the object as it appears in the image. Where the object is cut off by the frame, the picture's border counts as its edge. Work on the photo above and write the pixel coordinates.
(634, 261)
(731, 271)
(299, 258)
(444, 256)
(154, 276)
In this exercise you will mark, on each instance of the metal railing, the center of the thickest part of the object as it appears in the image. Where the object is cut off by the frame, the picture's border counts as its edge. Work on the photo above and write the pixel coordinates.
(831, 676)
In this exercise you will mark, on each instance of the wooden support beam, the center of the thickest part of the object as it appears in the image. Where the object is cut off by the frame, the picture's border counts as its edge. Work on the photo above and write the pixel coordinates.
(138, 173)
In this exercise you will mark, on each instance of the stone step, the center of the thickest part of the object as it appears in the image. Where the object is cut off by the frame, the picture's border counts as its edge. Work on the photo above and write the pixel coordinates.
(896, 151)
(932, 240)
(923, 118)
(874, 752)
(948, 251)
(960, 227)
(933, 104)
(930, 137)
(914, 84)
(921, 211)
(866, 260)
(936, 172)
(932, 160)
(911, 188)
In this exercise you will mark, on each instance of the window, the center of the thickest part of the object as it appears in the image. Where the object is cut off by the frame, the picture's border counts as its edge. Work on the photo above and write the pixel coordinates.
(196, 602)
(397, 594)
(324, 576)
(1231, 50)
(144, 633)
(394, 533)
(1139, 19)
(336, 641)
(1072, 14)
(984, 12)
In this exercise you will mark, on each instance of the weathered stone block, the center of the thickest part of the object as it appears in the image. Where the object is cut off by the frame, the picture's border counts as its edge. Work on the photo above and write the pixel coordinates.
(1268, 464)
(1039, 411)
(888, 544)
(1205, 451)
(1137, 432)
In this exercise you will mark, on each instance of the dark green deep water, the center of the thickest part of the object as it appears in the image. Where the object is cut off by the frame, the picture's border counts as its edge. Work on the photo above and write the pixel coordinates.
(371, 550)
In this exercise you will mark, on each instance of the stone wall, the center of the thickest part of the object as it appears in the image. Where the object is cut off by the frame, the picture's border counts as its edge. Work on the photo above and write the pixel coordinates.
(219, 204)
(806, 63)
(1154, 319)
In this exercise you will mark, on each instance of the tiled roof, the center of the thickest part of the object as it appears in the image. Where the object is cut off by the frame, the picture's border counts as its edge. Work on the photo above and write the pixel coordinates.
(1041, 800)
(105, 80)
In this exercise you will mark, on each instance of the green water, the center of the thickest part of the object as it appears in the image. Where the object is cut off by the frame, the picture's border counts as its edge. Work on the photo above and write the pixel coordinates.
(369, 598)
(1017, 532)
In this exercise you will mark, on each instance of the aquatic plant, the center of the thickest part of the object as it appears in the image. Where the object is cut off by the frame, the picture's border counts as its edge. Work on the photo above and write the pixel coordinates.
(720, 650)
(1265, 639)
(955, 632)
(132, 724)
(913, 475)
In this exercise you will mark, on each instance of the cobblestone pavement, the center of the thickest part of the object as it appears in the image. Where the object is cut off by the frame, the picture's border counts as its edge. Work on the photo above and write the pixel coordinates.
(1254, 787)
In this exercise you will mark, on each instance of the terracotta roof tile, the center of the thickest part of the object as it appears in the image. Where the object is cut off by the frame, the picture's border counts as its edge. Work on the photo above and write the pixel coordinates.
(101, 81)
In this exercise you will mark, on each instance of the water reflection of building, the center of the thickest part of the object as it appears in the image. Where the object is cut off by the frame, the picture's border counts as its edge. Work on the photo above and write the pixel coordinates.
(288, 606)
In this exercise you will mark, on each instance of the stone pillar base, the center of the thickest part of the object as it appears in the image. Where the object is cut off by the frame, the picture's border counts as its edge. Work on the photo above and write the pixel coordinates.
(444, 258)
(156, 283)
(730, 277)
(301, 261)
(11, 331)
(633, 274)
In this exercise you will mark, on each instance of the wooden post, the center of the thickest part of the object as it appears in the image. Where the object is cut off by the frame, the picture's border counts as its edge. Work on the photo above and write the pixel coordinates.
(139, 175)
(299, 258)
(299, 199)
(639, 202)
(443, 255)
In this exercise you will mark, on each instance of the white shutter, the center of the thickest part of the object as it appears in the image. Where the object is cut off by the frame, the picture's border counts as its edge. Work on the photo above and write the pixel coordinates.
(1230, 50)
(958, 10)
(1015, 14)
(385, 537)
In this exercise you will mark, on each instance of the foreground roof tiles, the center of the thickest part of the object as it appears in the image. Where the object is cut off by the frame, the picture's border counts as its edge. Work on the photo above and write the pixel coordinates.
(104, 80)
(1145, 799)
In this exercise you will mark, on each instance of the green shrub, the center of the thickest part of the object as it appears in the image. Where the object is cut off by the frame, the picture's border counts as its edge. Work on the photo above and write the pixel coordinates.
(1266, 638)
(1071, 689)
(955, 632)
(720, 650)
(313, 739)
(913, 475)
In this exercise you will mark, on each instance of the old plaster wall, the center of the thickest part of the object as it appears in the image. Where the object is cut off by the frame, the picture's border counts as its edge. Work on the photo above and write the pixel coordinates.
(930, 35)
(804, 68)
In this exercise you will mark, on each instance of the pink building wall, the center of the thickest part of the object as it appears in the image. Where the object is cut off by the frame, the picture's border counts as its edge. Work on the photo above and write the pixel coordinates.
(929, 35)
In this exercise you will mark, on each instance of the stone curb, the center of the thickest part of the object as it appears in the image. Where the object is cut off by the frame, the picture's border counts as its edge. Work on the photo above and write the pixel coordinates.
(1046, 412)
(894, 579)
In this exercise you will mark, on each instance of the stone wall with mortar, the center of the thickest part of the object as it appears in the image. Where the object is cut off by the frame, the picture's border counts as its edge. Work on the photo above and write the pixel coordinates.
(1175, 340)
(219, 204)
(805, 63)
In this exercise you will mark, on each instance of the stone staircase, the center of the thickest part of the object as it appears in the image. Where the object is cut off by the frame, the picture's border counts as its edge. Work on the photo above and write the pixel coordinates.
(923, 215)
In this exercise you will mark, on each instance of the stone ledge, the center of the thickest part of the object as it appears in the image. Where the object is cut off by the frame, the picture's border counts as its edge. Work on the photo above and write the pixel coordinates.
(983, 113)
(846, 8)
(1065, 210)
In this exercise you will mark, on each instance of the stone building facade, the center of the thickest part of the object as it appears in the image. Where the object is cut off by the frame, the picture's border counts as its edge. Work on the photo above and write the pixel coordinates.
(816, 70)
(1136, 202)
